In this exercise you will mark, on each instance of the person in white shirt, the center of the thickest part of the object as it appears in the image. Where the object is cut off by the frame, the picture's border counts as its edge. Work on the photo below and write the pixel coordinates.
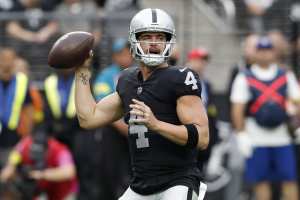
(259, 99)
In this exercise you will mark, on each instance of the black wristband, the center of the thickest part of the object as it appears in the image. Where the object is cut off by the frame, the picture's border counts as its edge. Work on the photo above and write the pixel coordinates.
(193, 136)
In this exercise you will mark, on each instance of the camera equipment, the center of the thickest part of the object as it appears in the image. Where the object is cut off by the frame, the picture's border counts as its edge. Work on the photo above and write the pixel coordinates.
(26, 185)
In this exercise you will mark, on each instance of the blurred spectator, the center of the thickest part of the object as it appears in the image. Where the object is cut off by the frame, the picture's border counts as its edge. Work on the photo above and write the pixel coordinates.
(248, 58)
(78, 15)
(295, 121)
(21, 65)
(259, 114)
(33, 28)
(27, 124)
(6, 6)
(60, 114)
(50, 5)
(61, 121)
(31, 34)
(281, 46)
(81, 15)
(100, 3)
(198, 60)
(257, 10)
(105, 81)
(248, 46)
(43, 166)
(14, 100)
(249, 50)
(267, 15)
(116, 159)
(119, 5)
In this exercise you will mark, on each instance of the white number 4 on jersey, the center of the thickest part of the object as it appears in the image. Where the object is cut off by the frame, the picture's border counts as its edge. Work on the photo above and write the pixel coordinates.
(191, 80)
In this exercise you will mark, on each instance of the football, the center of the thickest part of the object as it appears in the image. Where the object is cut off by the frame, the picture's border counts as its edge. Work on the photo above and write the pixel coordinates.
(71, 50)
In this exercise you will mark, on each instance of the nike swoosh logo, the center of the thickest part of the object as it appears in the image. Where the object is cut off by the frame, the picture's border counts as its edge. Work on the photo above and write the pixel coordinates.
(181, 70)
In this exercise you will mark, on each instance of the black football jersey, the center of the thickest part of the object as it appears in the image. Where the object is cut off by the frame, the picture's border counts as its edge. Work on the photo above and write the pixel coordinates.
(158, 163)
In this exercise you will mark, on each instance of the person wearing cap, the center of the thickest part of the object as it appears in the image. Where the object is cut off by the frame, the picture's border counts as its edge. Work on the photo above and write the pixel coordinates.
(197, 60)
(114, 137)
(105, 81)
(259, 112)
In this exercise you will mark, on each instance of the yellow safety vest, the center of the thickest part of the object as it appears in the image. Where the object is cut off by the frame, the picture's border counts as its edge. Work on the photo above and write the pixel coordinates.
(53, 98)
(19, 98)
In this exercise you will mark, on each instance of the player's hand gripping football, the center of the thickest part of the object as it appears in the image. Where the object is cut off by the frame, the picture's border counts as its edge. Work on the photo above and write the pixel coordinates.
(83, 71)
(87, 63)
(144, 113)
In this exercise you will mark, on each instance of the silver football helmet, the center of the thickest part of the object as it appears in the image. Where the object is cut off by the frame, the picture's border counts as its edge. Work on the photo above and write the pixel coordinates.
(151, 20)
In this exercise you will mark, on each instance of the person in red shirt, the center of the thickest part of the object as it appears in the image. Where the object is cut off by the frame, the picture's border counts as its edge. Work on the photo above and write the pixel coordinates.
(56, 179)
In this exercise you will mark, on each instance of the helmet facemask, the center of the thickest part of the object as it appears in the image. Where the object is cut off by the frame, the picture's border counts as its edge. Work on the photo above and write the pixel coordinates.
(151, 21)
(148, 58)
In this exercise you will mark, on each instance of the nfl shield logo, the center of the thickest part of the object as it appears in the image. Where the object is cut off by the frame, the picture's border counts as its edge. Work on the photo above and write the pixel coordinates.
(139, 90)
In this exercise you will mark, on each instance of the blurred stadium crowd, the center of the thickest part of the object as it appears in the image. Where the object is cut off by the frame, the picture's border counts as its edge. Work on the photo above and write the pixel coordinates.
(45, 154)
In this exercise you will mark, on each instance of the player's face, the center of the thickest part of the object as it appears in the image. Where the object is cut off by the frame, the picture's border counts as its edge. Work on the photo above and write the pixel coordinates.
(7, 64)
(152, 42)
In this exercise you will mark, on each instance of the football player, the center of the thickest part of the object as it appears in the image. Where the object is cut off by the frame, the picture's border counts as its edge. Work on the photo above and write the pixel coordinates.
(162, 105)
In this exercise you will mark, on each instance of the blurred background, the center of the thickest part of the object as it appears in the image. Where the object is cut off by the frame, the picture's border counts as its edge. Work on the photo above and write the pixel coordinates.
(223, 33)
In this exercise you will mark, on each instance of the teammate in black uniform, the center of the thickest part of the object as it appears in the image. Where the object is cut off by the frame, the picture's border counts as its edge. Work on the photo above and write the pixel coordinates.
(162, 105)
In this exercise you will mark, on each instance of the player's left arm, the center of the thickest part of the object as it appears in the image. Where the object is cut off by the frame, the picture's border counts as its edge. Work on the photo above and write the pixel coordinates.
(190, 110)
